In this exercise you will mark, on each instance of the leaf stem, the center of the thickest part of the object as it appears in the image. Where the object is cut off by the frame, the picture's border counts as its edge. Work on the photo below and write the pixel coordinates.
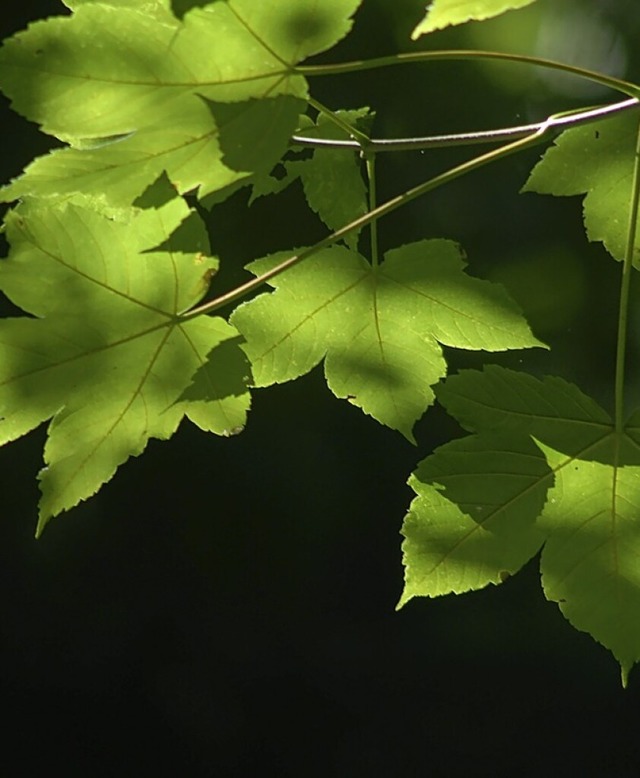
(381, 210)
(625, 285)
(356, 66)
(359, 139)
(370, 163)
(561, 121)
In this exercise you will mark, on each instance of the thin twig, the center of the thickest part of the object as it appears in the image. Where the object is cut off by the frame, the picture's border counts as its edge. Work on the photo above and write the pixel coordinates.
(540, 132)
(558, 121)
(415, 57)
(390, 205)
(623, 314)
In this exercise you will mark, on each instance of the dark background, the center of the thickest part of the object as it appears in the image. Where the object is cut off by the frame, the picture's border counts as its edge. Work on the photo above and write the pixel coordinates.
(225, 607)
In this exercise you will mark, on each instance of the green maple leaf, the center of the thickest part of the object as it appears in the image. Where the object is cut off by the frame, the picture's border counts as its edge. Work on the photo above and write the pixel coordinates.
(473, 520)
(379, 330)
(138, 93)
(597, 160)
(590, 563)
(546, 466)
(107, 357)
(442, 13)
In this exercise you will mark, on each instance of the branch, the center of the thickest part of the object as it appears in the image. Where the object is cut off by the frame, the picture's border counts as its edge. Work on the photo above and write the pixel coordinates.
(626, 87)
(382, 210)
(627, 267)
(558, 121)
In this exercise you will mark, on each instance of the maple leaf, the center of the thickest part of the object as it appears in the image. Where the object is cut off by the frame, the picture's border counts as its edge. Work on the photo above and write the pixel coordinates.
(442, 13)
(596, 160)
(107, 356)
(136, 92)
(546, 468)
(379, 329)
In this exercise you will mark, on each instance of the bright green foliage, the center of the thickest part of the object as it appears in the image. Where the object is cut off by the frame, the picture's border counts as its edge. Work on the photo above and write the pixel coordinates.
(111, 73)
(590, 562)
(596, 159)
(379, 328)
(486, 503)
(159, 98)
(442, 13)
(122, 167)
(107, 357)
(552, 410)
(160, 9)
(473, 521)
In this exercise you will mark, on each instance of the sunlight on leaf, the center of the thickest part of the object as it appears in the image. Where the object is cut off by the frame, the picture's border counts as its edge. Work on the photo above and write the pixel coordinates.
(107, 358)
(473, 520)
(110, 71)
(486, 503)
(380, 331)
(442, 13)
(158, 9)
(590, 561)
(597, 160)
(195, 150)
(549, 409)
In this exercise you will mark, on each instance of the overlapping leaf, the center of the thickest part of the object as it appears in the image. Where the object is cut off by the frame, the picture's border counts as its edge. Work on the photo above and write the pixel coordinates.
(332, 178)
(486, 503)
(378, 329)
(473, 520)
(107, 356)
(590, 562)
(442, 13)
(597, 160)
(136, 93)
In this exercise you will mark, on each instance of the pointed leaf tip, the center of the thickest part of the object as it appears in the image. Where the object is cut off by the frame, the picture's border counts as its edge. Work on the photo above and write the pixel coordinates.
(589, 561)
(624, 675)
(444, 13)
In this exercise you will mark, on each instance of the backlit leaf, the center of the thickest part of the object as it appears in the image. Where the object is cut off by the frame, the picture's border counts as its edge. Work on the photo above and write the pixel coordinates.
(590, 562)
(159, 9)
(332, 178)
(486, 503)
(473, 521)
(379, 330)
(442, 13)
(107, 358)
(597, 160)
(549, 409)
(147, 80)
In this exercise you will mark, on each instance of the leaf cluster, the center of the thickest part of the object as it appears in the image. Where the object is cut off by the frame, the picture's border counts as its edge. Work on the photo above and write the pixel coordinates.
(168, 107)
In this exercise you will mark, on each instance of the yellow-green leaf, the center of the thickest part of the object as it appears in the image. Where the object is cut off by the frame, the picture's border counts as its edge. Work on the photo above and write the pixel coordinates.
(442, 13)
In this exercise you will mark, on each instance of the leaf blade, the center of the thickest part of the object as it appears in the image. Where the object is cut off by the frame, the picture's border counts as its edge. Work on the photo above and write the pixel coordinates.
(443, 13)
(473, 521)
(597, 161)
(108, 359)
(379, 329)
(110, 73)
(590, 562)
